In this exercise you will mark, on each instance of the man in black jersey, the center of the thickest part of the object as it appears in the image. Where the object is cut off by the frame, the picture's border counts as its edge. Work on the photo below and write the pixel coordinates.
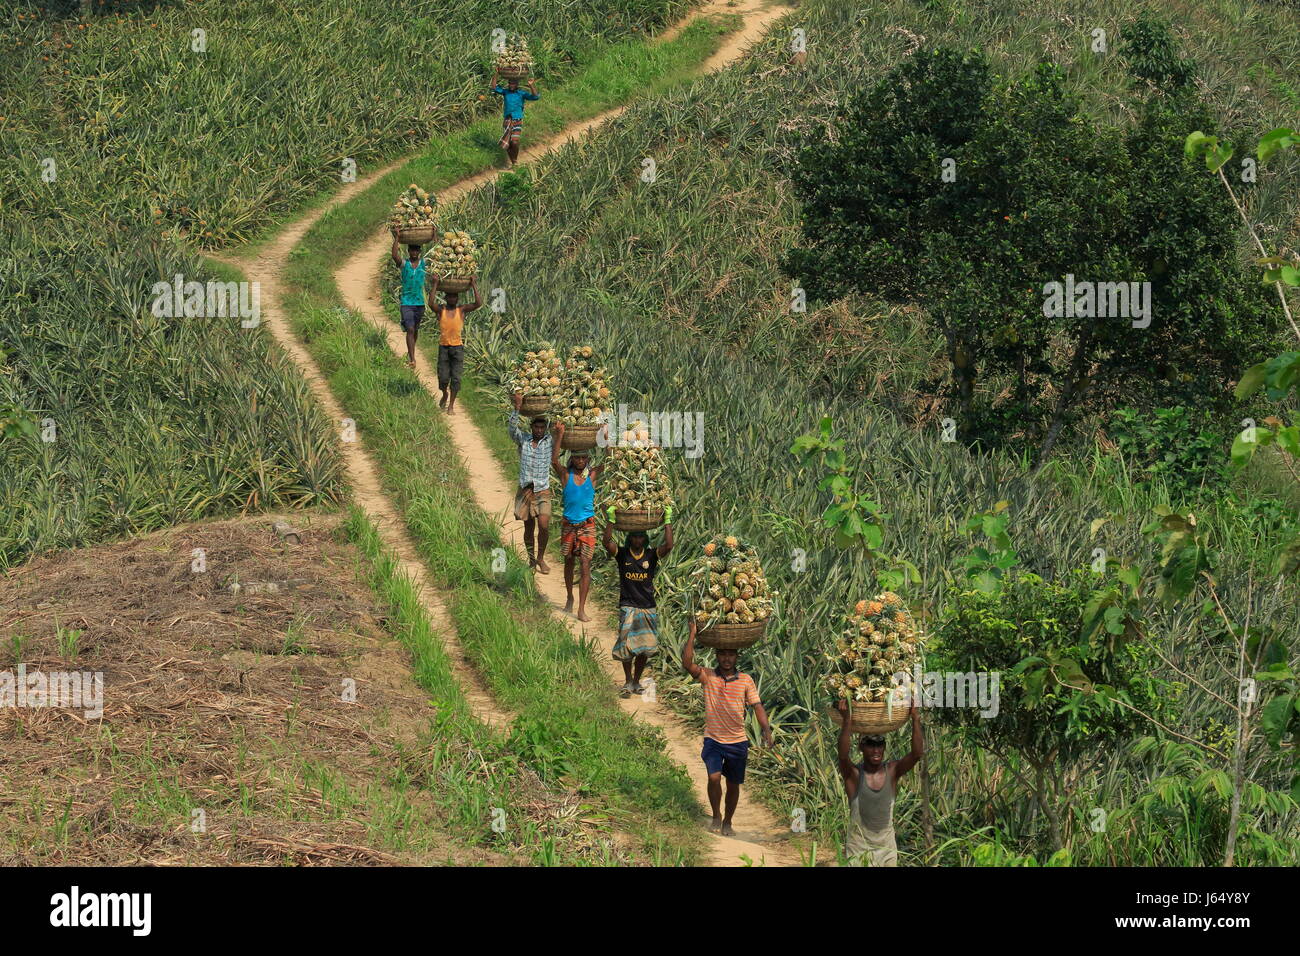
(638, 619)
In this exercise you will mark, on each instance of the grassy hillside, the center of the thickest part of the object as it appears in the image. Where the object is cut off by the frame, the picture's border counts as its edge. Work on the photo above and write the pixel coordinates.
(675, 282)
(128, 148)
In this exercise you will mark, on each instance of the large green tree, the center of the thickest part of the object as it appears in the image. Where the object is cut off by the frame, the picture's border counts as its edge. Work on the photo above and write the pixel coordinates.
(966, 193)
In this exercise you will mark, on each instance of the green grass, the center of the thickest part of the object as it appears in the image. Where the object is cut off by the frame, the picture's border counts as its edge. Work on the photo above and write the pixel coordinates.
(448, 766)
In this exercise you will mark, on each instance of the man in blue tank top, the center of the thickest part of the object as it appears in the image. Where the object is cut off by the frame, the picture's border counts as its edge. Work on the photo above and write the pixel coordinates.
(578, 523)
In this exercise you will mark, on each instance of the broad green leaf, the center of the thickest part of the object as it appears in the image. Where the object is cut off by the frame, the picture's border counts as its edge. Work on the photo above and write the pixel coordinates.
(1251, 380)
(1274, 718)
(1243, 450)
(1288, 439)
(1274, 140)
(1195, 143)
(873, 535)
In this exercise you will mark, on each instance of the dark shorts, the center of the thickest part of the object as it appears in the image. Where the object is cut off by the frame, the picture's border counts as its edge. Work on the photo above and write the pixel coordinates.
(730, 759)
(451, 360)
(412, 316)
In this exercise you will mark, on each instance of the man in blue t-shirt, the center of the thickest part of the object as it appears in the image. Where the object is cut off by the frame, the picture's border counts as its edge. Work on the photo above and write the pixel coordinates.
(412, 293)
(514, 112)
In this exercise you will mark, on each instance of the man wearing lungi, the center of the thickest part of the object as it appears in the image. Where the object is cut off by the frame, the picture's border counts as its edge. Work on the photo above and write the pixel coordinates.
(638, 618)
(533, 499)
(513, 98)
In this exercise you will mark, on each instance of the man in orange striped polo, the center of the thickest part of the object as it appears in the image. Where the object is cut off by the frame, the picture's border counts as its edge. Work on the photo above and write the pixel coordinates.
(726, 745)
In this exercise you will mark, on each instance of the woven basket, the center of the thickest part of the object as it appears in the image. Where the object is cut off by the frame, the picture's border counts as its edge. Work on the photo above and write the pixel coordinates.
(453, 283)
(513, 72)
(637, 520)
(732, 636)
(415, 235)
(579, 437)
(535, 404)
(873, 717)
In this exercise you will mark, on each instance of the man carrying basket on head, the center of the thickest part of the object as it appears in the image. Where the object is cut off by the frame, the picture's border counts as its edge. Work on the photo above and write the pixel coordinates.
(638, 618)
(578, 525)
(871, 787)
(412, 302)
(451, 345)
(533, 500)
(726, 744)
(513, 108)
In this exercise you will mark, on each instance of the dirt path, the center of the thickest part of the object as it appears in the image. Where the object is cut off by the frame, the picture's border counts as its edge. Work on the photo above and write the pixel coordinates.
(267, 268)
(758, 835)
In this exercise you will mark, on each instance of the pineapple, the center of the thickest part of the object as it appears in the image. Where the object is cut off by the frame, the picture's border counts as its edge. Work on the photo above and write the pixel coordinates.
(456, 255)
(414, 208)
(514, 57)
(538, 373)
(730, 577)
(891, 644)
(580, 389)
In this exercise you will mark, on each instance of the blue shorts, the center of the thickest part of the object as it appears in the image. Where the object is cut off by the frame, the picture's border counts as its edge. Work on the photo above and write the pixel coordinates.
(411, 317)
(730, 759)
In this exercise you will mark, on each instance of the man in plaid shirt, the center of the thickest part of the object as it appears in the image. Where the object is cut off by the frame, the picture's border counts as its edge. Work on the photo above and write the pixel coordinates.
(533, 499)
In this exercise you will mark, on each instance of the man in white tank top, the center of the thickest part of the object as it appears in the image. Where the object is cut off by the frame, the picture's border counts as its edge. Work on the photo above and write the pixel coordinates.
(871, 787)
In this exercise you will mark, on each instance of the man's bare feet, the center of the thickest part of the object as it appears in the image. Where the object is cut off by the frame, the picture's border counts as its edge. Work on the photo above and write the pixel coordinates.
(582, 615)
(568, 607)
(410, 363)
(716, 825)
(543, 567)
(726, 828)
(442, 402)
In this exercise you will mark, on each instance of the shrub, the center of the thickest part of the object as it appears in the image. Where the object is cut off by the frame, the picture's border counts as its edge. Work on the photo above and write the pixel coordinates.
(1065, 699)
(1174, 445)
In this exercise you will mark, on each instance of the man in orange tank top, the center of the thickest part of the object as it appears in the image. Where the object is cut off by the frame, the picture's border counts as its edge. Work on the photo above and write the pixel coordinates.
(451, 345)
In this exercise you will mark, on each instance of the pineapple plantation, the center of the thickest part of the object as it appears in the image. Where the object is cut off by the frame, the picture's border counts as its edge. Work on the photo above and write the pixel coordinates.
(912, 481)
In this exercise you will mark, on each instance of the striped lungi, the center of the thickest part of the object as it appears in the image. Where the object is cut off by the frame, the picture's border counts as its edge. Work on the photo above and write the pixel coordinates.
(638, 633)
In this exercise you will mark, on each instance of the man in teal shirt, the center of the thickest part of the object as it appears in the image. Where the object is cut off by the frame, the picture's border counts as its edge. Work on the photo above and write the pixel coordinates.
(412, 303)
(514, 98)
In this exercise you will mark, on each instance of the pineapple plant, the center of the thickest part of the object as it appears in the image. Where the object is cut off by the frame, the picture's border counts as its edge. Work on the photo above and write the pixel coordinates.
(514, 59)
(880, 640)
(413, 212)
(728, 585)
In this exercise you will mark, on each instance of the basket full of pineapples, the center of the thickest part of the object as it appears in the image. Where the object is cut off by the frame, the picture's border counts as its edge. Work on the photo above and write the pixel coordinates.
(583, 399)
(538, 378)
(730, 597)
(635, 482)
(872, 663)
(514, 62)
(454, 260)
(412, 216)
